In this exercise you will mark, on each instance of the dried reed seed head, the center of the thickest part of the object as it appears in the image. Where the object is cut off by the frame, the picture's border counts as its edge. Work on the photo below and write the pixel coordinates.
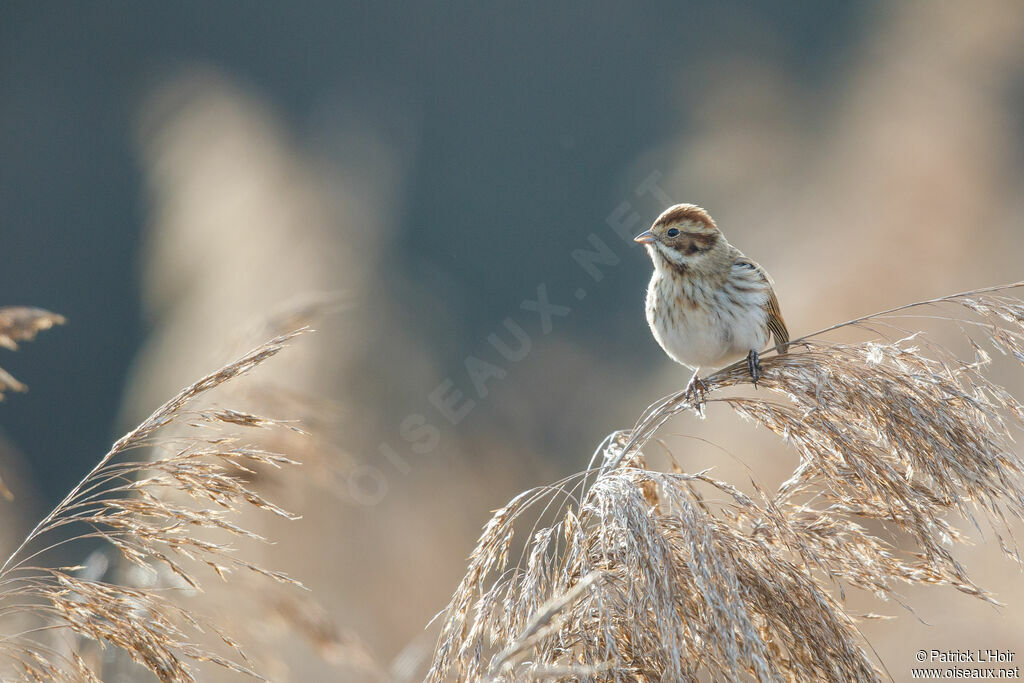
(900, 431)
(124, 503)
(22, 323)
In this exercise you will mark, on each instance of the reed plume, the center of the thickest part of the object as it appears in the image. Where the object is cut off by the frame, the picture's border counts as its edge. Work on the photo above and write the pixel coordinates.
(121, 504)
(17, 324)
(630, 573)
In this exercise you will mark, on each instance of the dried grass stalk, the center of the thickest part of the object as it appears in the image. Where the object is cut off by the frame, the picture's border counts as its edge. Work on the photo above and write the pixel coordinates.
(635, 574)
(21, 323)
(121, 503)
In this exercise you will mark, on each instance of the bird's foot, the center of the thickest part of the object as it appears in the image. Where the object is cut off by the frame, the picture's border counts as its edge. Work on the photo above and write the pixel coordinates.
(754, 366)
(696, 392)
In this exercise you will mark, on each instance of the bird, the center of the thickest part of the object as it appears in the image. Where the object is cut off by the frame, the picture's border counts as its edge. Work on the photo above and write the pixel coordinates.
(707, 303)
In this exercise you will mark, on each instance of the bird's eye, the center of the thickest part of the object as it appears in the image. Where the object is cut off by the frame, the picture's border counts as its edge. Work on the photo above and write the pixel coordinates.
(672, 232)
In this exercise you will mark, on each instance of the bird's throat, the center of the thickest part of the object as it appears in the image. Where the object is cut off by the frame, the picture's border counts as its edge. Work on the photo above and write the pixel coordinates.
(669, 265)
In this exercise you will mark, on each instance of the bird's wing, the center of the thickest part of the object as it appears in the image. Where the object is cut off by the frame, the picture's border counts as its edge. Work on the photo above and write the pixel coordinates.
(775, 322)
(776, 325)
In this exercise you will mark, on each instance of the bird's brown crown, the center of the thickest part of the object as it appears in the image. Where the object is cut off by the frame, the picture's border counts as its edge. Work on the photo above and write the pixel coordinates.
(689, 214)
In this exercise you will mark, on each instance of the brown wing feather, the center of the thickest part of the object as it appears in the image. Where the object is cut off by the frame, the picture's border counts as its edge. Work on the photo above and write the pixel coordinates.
(776, 325)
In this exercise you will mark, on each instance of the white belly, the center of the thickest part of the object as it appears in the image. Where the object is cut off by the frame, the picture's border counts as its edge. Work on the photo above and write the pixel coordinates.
(723, 328)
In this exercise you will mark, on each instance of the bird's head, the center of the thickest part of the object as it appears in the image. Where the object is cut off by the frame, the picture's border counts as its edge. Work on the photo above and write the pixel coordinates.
(684, 236)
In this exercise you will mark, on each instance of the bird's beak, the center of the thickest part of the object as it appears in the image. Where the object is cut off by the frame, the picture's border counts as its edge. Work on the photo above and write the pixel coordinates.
(645, 237)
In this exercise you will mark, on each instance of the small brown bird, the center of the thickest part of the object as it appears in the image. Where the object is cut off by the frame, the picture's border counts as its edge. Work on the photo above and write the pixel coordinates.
(707, 303)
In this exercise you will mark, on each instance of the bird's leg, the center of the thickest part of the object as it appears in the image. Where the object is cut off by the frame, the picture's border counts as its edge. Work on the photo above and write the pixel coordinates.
(754, 366)
(696, 390)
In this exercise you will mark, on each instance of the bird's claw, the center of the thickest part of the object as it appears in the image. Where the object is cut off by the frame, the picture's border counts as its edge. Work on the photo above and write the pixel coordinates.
(754, 367)
(696, 393)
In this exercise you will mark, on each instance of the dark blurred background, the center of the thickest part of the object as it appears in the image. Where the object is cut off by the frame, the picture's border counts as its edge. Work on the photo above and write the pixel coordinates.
(515, 125)
(174, 175)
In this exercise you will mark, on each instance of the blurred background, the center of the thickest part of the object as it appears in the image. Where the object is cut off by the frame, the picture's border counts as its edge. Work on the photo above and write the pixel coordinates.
(182, 180)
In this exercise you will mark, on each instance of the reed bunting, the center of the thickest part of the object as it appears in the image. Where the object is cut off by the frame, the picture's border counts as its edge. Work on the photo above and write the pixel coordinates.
(707, 303)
